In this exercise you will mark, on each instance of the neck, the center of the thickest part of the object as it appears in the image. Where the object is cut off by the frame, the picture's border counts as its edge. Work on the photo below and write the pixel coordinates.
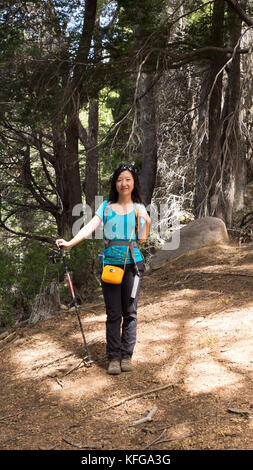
(124, 200)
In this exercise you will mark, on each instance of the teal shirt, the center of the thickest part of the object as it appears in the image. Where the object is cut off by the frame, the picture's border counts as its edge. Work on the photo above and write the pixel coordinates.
(119, 227)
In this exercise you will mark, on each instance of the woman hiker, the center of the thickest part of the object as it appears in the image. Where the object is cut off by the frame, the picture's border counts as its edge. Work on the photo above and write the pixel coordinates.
(125, 220)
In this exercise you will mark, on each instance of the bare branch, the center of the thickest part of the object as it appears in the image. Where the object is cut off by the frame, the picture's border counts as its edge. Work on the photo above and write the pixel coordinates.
(32, 236)
(241, 13)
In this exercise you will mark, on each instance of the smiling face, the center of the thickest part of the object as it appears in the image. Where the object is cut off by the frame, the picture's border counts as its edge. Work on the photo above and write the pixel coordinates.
(125, 183)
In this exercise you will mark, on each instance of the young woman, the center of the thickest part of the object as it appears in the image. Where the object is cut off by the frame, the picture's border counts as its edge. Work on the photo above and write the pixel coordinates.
(123, 215)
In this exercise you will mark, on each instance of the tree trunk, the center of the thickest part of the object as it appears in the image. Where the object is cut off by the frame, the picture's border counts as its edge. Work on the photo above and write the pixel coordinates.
(201, 189)
(208, 175)
(214, 149)
(234, 161)
(64, 182)
(91, 170)
(149, 142)
(72, 173)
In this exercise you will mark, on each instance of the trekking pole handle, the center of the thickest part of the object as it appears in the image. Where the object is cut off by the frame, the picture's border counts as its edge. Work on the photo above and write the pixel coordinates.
(62, 252)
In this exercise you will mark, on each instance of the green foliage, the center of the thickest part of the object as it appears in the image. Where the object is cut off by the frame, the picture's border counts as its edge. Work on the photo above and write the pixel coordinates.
(8, 281)
(7, 270)
(198, 29)
(37, 270)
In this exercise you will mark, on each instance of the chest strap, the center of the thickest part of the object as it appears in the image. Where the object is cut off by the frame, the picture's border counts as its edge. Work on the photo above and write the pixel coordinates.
(131, 246)
(120, 242)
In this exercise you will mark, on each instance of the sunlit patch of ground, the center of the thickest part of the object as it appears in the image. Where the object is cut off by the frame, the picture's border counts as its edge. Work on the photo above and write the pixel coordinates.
(205, 375)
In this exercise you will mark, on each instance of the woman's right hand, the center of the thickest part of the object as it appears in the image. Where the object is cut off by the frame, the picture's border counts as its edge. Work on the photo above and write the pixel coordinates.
(61, 242)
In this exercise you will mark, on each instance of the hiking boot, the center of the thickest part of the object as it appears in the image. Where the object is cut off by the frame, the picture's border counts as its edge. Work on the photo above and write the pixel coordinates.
(114, 367)
(126, 365)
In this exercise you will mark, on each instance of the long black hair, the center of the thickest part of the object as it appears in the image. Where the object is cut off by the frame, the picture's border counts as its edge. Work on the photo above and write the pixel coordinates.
(136, 193)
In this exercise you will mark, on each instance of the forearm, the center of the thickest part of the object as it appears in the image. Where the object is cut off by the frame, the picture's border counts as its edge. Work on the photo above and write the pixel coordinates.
(84, 233)
(144, 232)
(80, 236)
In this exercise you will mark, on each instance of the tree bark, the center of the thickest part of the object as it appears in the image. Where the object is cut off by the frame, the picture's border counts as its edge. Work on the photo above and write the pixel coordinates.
(208, 173)
(149, 142)
(92, 152)
(234, 161)
(201, 188)
(91, 169)
(63, 187)
(71, 167)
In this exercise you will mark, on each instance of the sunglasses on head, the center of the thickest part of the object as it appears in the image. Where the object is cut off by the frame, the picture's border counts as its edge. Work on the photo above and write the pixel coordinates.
(127, 167)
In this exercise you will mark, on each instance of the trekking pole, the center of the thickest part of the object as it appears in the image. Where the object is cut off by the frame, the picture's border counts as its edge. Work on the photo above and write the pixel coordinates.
(62, 253)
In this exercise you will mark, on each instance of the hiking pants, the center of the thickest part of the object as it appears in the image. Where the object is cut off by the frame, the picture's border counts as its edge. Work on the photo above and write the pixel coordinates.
(120, 342)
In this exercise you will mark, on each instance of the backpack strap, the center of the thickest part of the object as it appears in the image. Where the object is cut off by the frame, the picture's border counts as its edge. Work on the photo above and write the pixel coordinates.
(106, 210)
(137, 218)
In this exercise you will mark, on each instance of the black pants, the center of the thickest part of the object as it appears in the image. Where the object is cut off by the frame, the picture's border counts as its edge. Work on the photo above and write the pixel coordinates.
(120, 342)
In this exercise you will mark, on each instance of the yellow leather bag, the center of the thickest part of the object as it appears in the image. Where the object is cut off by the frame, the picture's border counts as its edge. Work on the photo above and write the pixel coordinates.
(112, 274)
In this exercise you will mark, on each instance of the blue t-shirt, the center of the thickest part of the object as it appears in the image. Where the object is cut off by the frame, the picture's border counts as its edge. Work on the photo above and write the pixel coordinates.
(119, 227)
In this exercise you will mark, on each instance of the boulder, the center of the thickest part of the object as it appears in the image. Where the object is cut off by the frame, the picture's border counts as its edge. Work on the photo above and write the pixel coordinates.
(201, 232)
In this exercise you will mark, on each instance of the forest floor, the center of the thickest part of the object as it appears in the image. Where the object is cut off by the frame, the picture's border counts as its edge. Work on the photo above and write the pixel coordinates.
(192, 367)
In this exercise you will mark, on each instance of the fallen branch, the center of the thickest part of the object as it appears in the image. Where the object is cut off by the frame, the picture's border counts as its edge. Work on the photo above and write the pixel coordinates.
(10, 416)
(9, 339)
(241, 411)
(59, 382)
(47, 448)
(79, 446)
(52, 362)
(160, 441)
(4, 335)
(215, 273)
(146, 418)
(72, 443)
(136, 395)
(73, 368)
(155, 440)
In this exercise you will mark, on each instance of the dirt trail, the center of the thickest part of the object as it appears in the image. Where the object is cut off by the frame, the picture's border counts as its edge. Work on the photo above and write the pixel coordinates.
(193, 367)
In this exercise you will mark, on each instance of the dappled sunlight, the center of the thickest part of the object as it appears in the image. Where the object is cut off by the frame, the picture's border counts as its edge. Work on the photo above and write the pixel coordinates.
(96, 318)
(37, 352)
(88, 386)
(205, 375)
(217, 344)
(155, 341)
(240, 353)
(95, 336)
(180, 429)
